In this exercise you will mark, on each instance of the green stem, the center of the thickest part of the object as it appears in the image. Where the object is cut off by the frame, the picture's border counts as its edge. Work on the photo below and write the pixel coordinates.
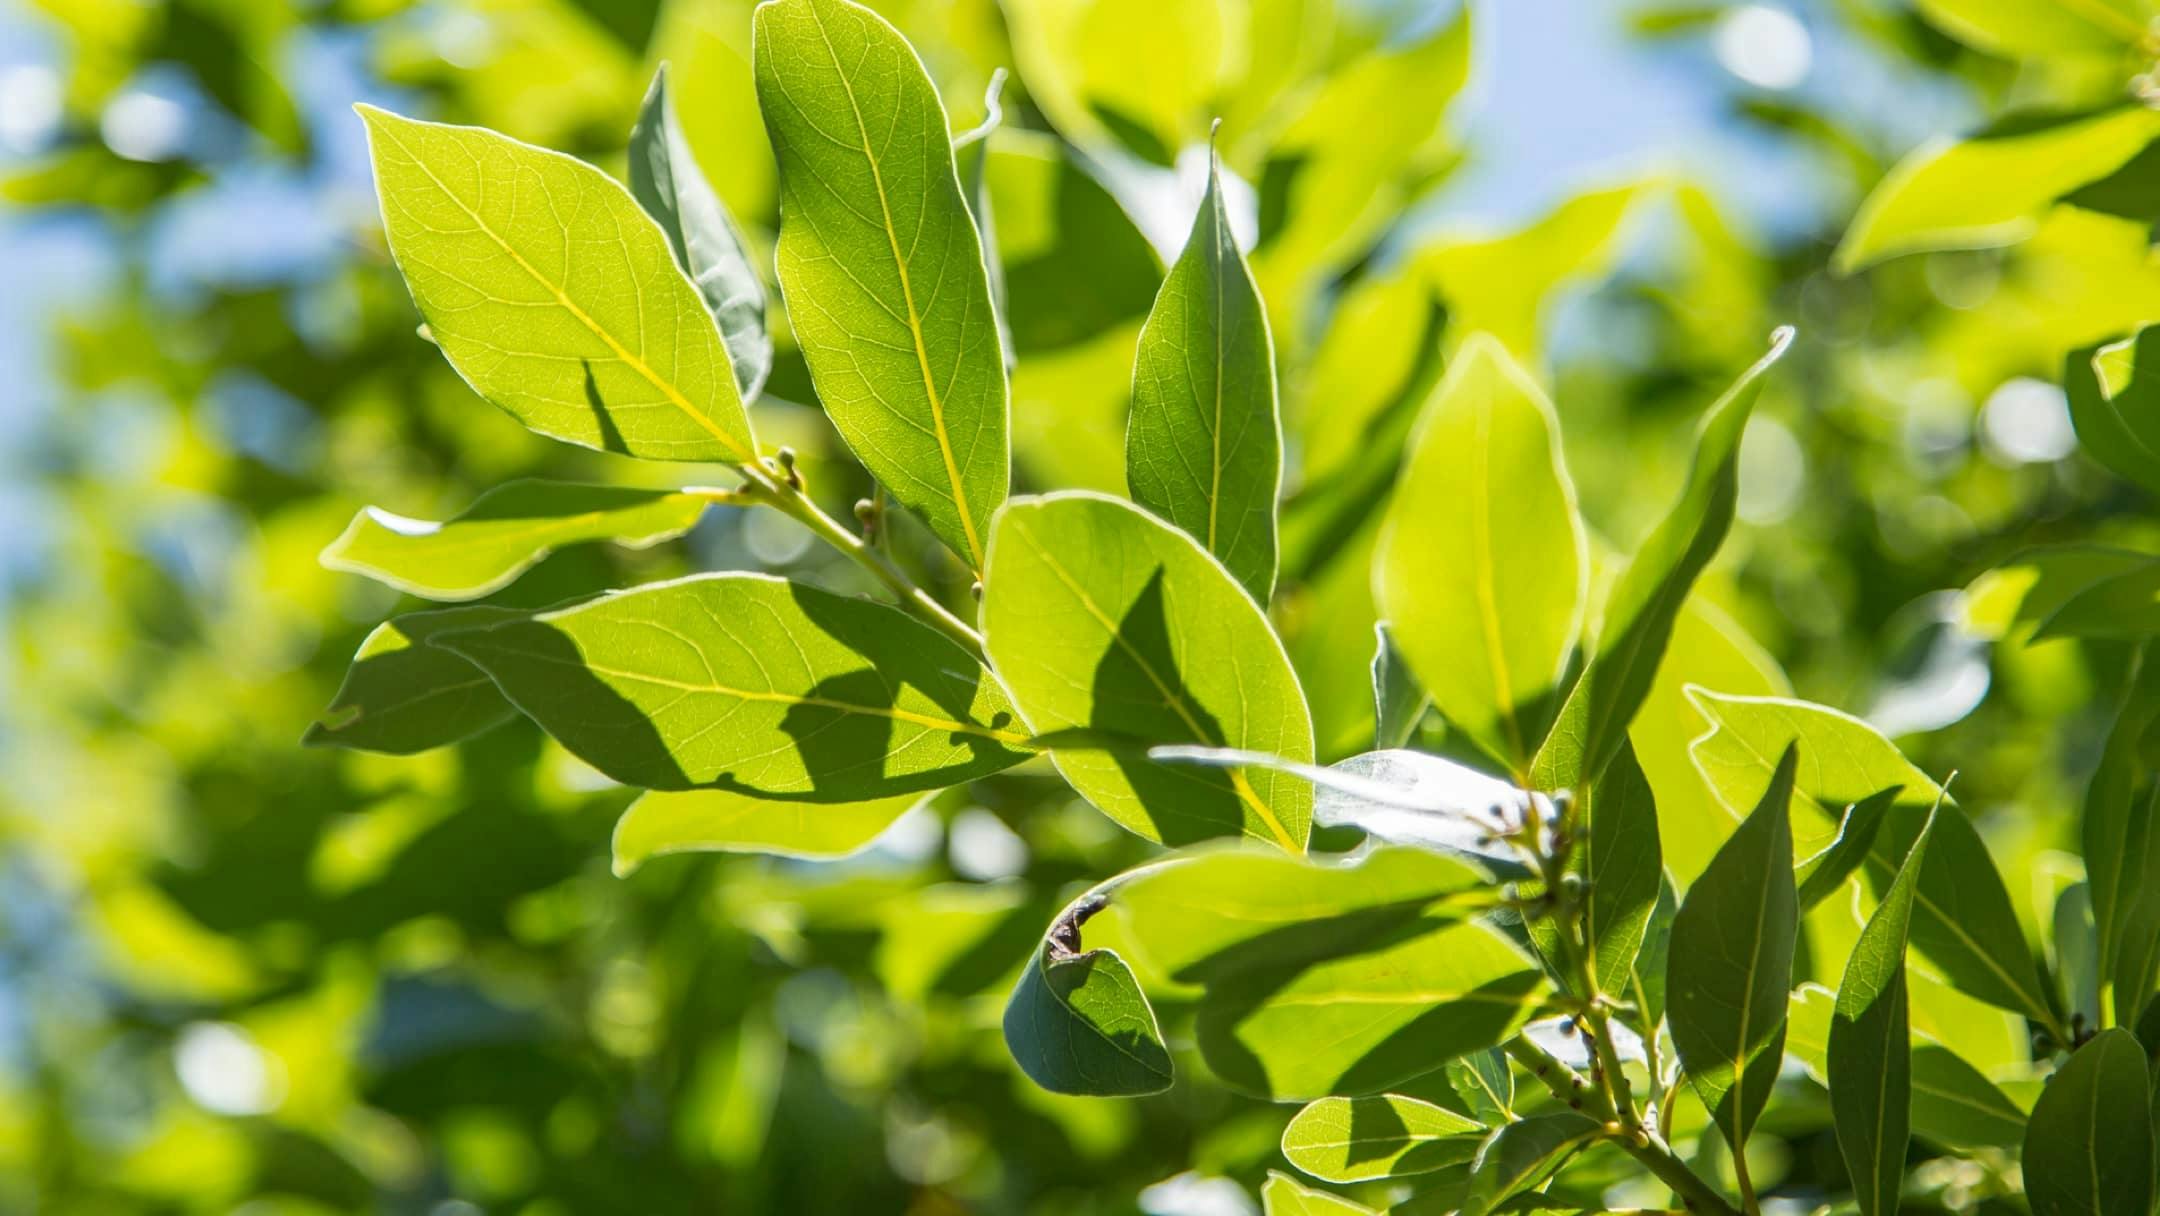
(763, 486)
(1645, 1147)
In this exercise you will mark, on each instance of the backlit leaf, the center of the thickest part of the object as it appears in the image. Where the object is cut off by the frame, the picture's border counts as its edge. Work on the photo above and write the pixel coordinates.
(2120, 607)
(1399, 701)
(2038, 28)
(667, 183)
(1203, 448)
(1482, 571)
(402, 695)
(2114, 393)
(553, 294)
(504, 533)
(731, 821)
(1116, 632)
(1389, 1136)
(881, 265)
(747, 682)
(1284, 1196)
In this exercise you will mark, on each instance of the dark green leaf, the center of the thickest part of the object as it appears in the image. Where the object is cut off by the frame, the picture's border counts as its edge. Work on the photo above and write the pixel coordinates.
(403, 695)
(1399, 702)
(750, 683)
(881, 265)
(667, 183)
(1731, 963)
(1521, 1155)
(2089, 1147)
(1078, 1023)
(504, 533)
(1622, 865)
(1203, 448)
(2114, 392)
(2121, 607)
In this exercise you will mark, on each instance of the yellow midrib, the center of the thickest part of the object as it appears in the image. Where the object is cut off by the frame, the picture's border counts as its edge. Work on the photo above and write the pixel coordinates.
(1215, 277)
(635, 363)
(1245, 791)
(907, 295)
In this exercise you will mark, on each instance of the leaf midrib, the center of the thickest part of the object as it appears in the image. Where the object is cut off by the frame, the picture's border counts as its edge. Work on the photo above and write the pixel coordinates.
(623, 353)
(907, 295)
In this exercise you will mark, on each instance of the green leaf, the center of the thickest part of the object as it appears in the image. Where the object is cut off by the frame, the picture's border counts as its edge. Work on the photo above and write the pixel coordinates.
(1389, 1136)
(730, 821)
(2120, 833)
(1731, 963)
(750, 683)
(1285, 1196)
(667, 183)
(1203, 448)
(1622, 866)
(504, 533)
(881, 265)
(1843, 760)
(2114, 393)
(2089, 1147)
(402, 695)
(1522, 1154)
(1328, 979)
(1870, 1049)
(971, 162)
(1078, 620)
(2018, 595)
(1482, 570)
(1992, 188)
(1484, 1085)
(2121, 607)
(553, 294)
(1824, 875)
(1954, 1106)
(1645, 604)
(2020, 29)
(1078, 1023)
(1399, 702)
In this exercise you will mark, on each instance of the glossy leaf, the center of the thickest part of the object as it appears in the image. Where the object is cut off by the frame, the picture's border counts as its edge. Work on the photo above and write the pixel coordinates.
(667, 183)
(1645, 603)
(1482, 569)
(1203, 448)
(402, 695)
(553, 294)
(1282, 1195)
(1522, 1154)
(881, 265)
(1078, 1023)
(750, 683)
(1389, 1136)
(1990, 189)
(731, 821)
(504, 533)
(2089, 1147)
(1079, 621)
(1870, 1048)
(1731, 964)
(2114, 392)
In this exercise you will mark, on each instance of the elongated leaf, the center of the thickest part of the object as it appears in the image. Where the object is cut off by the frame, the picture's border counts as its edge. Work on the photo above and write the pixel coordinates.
(1824, 874)
(2017, 596)
(1954, 1106)
(2038, 28)
(1482, 569)
(880, 263)
(1731, 964)
(1990, 189)
(1078, 619)
(1399, 701)
(1390, 1136)
(1078, 1023)
(1285, 1196)
(1203, 448)
(730, 821)
(553, 294)
(2121, 607)
(2114, 392)
(2120, 837)
(1842, 761)
(402, 695)
(1645, 604)
(1870, 1049)
(750, 683)
(667, 183)
(1623, 867)
(1484, 1085)
(1319, 980)
(2089, 1147)
(1522, 1154)
(505, 532)
(971, 162)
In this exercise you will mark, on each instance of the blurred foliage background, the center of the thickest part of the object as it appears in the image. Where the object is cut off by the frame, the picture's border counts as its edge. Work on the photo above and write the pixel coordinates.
(241, 976)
